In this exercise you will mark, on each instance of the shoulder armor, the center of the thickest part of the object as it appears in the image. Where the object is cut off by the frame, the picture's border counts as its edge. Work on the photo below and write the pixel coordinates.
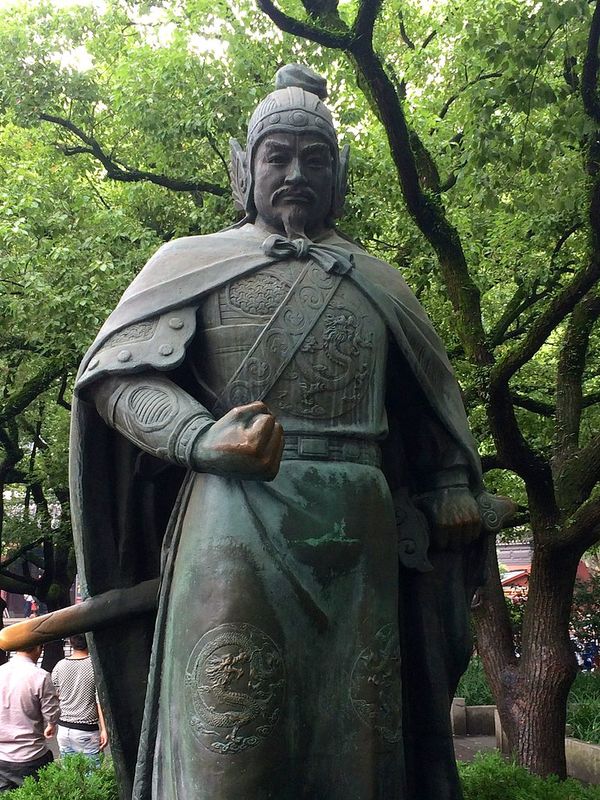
(156, 343)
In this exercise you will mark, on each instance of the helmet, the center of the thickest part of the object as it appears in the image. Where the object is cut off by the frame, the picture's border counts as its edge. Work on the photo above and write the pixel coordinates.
(295, 106)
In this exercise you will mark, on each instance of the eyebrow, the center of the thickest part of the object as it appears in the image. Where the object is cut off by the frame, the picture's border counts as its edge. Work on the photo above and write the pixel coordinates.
(316, 147)
(271, 144)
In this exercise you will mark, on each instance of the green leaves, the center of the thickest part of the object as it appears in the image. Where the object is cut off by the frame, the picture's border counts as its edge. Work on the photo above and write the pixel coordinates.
(73, 777)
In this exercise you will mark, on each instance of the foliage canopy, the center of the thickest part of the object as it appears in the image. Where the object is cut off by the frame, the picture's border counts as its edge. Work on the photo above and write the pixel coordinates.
(475, 130)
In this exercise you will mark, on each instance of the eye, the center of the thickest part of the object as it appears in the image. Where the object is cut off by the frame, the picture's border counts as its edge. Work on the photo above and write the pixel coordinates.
(317, 159)
(277, 158)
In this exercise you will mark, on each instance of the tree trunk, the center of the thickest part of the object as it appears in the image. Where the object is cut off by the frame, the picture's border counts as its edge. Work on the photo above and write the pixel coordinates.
(531, 691)
(547, 666)
(53, 653)
(495, 644)
(58, 597)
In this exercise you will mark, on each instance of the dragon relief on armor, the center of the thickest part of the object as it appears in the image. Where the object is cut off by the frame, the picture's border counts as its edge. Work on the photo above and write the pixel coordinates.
(375, 685)
(330, 371)
(235, 680)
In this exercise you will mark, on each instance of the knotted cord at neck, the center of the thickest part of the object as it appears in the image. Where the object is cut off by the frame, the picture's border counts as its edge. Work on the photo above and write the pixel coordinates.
(329, 257)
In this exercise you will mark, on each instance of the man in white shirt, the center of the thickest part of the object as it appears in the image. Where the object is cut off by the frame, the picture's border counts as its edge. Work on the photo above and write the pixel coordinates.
(29, 712)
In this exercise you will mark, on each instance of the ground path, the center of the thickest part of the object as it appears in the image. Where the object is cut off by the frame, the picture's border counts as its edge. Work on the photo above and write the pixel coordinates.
(466, 747)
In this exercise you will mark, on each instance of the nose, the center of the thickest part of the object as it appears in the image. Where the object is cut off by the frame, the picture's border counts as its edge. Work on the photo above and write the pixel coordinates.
(295, 174)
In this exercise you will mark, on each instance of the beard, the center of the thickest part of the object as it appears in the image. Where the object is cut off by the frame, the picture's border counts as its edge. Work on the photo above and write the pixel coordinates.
(294, 215)
(294, 218)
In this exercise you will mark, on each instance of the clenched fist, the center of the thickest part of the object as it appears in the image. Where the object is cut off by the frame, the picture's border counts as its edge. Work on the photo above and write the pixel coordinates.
(453, 516)
(245, 443)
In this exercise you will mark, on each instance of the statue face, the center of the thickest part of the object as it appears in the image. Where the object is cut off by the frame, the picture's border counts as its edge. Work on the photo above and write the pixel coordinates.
(293, 183)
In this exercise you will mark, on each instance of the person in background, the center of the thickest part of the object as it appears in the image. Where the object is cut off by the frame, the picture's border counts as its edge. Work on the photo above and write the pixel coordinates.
(81, 727)
(29, 711)
(27, 604)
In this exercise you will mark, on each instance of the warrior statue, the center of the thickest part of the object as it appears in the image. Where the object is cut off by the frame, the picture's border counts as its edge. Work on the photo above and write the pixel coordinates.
(269, 423)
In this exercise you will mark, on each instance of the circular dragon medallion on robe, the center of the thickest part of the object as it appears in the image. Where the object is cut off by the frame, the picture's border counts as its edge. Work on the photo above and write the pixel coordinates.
(235, 682)
(375, 685)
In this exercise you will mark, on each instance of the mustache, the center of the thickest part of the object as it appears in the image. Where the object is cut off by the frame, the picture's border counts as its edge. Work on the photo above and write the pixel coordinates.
(304, 192)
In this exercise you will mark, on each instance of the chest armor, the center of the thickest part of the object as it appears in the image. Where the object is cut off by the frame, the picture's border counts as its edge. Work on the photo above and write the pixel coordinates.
(326, 335)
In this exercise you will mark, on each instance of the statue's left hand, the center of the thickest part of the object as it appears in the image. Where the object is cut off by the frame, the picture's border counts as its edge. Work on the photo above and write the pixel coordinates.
(453, 516)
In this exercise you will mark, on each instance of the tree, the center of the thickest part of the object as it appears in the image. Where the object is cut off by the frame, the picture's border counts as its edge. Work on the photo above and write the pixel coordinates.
(56, 239)
(73, 231)
(560, 308)
(481, 119)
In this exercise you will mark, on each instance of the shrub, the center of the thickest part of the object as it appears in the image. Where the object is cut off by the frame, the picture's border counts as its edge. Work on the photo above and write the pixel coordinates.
(473, 685)
(489, 777)
(584, 707)
(71, 778)
(585, 687)
(584, 720)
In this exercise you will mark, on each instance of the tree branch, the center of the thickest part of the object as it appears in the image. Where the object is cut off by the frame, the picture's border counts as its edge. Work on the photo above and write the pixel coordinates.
(429, 38)
(12, 343)
(9, 439)
(17, 583)
(305, 30)
(118, 172)
(482, 77)
(517, 454)
(577, 476)
(320, 8)
(215, 148)
(450, 182)
(561, 305)
(425, 209)
(538, 65)
(515, 306)
(585, 525)
(525, 297)
(35, 432)
(404, 33)
(14, 476)
(569, 375)
(13, 405)
(20, 553)
(60, 400)
(591, 63)
(562, 239)
(365, 20)
(531, 404)
(490, 462)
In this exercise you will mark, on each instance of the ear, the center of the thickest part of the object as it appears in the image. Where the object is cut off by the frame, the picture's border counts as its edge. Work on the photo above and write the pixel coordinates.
(341, 182)
(239, 175)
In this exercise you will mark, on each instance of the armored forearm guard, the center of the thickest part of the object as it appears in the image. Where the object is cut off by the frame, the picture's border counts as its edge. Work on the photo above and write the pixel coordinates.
(153, 413)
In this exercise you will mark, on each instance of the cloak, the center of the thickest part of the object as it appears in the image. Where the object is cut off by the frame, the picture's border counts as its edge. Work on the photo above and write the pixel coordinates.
(123, 498)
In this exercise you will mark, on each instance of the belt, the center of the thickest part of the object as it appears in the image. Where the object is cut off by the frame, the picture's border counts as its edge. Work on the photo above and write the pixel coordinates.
(332, 448)
(79, 726)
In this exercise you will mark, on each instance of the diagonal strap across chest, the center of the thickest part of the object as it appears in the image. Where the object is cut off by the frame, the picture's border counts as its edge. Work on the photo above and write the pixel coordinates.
(291, 323)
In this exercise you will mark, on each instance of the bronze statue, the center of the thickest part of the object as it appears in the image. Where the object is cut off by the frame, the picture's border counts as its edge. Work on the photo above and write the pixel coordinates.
(269, 422)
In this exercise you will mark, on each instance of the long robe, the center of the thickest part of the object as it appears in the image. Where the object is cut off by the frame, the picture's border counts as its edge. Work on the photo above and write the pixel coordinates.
(152, 328)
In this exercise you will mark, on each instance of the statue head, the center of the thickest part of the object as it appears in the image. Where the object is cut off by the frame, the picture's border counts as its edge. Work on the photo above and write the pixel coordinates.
(292, 118)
